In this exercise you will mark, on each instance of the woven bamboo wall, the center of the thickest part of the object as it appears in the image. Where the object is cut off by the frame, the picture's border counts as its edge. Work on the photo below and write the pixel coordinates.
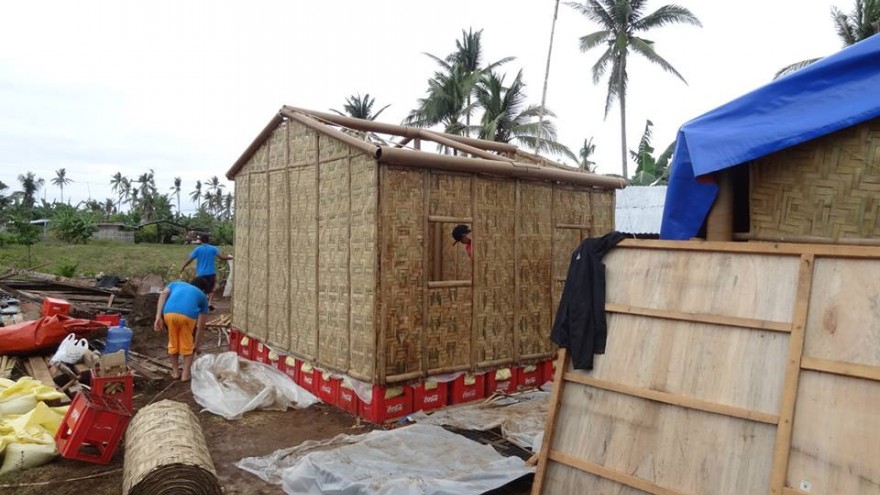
(241, 265)
(302, 150)
(258, 259)
(534, 259)
(825, 188)
(278, 303)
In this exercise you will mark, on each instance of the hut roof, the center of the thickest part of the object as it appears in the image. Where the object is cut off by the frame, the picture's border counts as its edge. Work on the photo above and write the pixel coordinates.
(834, 93)
(378, 140)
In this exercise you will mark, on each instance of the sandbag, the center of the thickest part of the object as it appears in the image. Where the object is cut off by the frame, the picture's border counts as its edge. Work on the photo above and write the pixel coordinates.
(21, 456)
(47, 332)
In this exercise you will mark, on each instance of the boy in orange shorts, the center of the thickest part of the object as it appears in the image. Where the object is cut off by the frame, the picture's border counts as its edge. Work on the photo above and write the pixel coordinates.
(182, 308)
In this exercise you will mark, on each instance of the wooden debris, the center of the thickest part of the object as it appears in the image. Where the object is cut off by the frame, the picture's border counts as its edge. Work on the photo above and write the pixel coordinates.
(220, 321)
(38, 369)
(7, 363)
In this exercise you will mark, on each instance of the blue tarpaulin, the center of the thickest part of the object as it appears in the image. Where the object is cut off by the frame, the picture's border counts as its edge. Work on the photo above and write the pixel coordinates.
(834, 93)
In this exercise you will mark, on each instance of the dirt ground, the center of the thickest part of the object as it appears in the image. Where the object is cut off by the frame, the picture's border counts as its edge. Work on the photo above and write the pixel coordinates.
(258, 433)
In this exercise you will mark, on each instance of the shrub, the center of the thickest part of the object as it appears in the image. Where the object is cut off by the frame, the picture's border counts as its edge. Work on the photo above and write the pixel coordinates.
(72, 226)
(66, 268)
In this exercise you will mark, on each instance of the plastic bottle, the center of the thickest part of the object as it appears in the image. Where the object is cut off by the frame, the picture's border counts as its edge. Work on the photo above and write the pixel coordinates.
(118, 338)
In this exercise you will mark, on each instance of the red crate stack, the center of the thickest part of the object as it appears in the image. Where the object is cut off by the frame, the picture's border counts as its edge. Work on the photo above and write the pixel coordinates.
(501, 381)
(530, 376)
(387, 404)
(261, 352)
(104, 386)
(307, 377)
(467, 388)
(429, 395)
(548, 370)
(234, 339)
(92, 428)
(348, 400)
(289, 366)
(327, 387)
(247, 347)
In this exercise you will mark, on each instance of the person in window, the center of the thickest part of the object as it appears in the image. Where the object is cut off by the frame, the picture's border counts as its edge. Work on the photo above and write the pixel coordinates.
(462, 234)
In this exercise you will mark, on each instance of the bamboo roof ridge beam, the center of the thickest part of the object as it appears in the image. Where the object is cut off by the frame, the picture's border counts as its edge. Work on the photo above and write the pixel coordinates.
(411, 158)
(458, 145)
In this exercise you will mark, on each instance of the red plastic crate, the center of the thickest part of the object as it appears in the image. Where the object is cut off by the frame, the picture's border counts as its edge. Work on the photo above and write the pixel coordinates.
(308, 377)
(261, 352)
(54, 306)
(348, 400)
(383, 409)
(530, 376)
(548, 370)
(501, 381)
(101, 384)
(111, 320)
(327, 387)
(466, 388)
(246, 347)
(92, 428)
(429, 395)
(234, 339)
(289, 366)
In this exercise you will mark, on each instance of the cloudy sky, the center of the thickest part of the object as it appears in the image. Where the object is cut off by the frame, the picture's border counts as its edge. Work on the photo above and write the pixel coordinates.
(182, 87)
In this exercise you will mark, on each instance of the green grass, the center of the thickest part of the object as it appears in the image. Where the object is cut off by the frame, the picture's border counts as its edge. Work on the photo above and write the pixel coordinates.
(110, 258)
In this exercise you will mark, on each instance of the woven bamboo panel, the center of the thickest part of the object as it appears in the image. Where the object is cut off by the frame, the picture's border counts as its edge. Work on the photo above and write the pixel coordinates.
(333, 261)
(401, 277)
(364, 201)
(448, 332)
(302, 145)
(494, 269)
(572, 206)
(534, 233)
(242, 234)
(258, 230)
(277, 148)
(279, 282)
(303, 253)
(827, 188)
(450, 196)
(601, 212)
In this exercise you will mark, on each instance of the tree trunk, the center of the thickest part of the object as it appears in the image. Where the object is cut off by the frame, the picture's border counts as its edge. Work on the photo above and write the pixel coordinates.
(546, 77)
(622, 96)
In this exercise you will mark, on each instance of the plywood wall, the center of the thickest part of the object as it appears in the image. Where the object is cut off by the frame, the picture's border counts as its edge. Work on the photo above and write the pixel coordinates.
(729, 369)
(305, 236)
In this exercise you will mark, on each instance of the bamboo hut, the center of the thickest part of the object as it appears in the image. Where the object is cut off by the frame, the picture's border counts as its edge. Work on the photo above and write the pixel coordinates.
(344, 256)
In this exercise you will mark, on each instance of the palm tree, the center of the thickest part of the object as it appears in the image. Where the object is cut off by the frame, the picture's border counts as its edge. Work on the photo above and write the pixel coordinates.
(176, 190)
(650, 171)
(620, 21)
(124, 191)
(117, 181)
(30, 184)
(506, 117)
(109, 207)
(227, 205)
(360, 107)
(61, 180)
(208, 196)
(860, 24)
(585, 153)
(196, 195)
(214, 184)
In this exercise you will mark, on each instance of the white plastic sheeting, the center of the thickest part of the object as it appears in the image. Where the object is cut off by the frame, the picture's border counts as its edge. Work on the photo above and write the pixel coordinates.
(520, 417)
(228, 386)
(414, 460)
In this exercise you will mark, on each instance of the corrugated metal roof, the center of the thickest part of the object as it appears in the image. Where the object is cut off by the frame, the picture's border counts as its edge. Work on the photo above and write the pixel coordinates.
(639, 210)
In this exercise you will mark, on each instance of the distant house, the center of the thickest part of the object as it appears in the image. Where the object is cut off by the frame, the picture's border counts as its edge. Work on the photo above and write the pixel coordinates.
(44, 225)
(113, 231)
(639, 210)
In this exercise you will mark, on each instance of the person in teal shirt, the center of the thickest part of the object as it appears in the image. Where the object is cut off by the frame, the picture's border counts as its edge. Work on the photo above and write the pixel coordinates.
(205, 254)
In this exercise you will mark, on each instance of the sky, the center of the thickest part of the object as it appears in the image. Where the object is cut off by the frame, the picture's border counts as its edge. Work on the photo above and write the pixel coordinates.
(183, 87)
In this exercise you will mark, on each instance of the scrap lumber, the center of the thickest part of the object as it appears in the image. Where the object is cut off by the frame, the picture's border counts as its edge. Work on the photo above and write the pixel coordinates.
(220, 321)
(38, 369)
(7, 363)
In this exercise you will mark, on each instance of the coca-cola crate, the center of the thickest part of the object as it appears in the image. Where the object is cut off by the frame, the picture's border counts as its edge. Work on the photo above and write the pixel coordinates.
(261, 353)
(501, 381)
(348, 400)
(466, 388)
(548, 370)
(234, 339)
(289, 366)
(530, 376)
(307, 376)
(429, 395)
(328, 387)
(387, 404)
(247, 347)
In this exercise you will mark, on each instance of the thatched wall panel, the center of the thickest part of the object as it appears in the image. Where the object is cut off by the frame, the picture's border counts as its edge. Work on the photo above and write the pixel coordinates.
(277, 148)
(242, 253)
(332, 150)
(303, 252)
(333, 262)
(448, 332)
(827, 188)
(302, 145)
(258, 274)
(450, 195)
(363, 242)
(279, 274)
(534, 244)
(402, 277)
(493, 235)
(601, 212)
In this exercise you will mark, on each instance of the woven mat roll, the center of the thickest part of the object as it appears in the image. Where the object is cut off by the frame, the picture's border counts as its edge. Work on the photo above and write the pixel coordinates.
(165, 453)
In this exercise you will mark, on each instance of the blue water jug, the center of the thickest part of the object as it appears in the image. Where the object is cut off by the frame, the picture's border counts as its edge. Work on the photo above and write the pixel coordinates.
(118, 338)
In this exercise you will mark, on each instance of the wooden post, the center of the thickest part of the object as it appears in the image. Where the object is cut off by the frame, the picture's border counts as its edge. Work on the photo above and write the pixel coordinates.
(719, 223)
(782, 449)
(317, 245)
(517, 249)
(550, 427)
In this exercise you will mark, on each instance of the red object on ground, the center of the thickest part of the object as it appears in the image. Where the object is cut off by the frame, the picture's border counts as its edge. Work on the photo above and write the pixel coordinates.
(92, 428)
(234, 339)
(494, 385)
(467, 388)
(381, 410)
(246, 347)
(307, 379)
(548, 371)
(289, 366)
(111, 320)
(426, 399)
(327, 388)
(101, 384)
(348, 400)
(47, 332)
(532, 378)
(53, 306)
(261, 353)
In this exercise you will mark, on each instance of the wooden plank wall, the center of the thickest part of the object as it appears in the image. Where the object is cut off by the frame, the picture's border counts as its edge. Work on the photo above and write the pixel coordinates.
(730, 369)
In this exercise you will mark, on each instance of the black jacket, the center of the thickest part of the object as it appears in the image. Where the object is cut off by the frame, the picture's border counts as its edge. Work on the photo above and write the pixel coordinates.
(580, 323)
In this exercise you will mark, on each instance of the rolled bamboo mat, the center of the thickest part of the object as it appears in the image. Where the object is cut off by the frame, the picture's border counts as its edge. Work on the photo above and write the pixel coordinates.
(165, 453)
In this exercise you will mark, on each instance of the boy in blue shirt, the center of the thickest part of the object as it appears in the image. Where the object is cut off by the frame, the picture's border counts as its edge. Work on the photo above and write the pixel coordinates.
(204, 254)
(182, 308)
